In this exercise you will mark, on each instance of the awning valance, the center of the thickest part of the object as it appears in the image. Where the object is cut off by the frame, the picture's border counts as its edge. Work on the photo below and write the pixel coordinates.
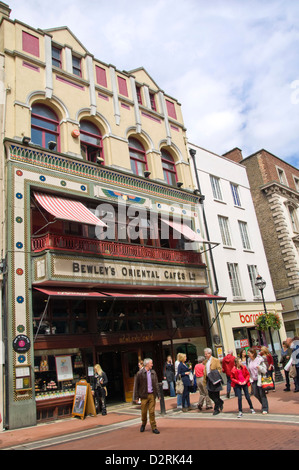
(56, 292)
(187, 231)
(67, 209)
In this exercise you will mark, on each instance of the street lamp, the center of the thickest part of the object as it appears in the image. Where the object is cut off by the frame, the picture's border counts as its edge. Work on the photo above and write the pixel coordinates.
(261, 284)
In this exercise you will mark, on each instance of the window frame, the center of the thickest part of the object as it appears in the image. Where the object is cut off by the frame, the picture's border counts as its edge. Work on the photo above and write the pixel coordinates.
(236, 194)
(243, 227)
(225, 231)
(77, 67)
(91, 149)
(44, 130)
(216, 188)
(134, 159)
(253, 272)
(59, 61)
(168, 158)
(233, 273)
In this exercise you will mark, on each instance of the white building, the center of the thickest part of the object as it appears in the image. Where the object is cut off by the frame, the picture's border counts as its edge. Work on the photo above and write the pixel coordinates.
(238, 259)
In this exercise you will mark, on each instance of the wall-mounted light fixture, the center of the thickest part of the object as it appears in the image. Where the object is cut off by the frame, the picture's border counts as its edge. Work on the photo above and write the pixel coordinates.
(147, 174)
(179, 184)
(100, 160)
(26, 140)
(52, 145)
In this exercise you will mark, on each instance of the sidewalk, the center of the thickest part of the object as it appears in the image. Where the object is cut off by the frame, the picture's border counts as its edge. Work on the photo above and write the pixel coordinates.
(282, 404)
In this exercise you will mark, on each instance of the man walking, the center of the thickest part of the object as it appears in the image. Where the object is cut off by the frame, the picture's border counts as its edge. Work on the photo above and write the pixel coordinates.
(228, 364)
(147, 390)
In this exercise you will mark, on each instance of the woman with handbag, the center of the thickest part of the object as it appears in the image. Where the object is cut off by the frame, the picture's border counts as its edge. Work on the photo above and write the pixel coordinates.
(169, 375)
(184, 371)
(269, 362)
(257, 368)
(99, 388)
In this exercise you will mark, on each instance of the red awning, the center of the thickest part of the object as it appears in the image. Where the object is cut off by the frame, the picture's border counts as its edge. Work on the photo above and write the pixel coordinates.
(70, 293)
(187, 232)
(163, 295)
(67, 209)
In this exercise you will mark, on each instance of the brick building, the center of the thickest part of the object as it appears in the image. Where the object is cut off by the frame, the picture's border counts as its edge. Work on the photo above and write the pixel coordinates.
(275, 190)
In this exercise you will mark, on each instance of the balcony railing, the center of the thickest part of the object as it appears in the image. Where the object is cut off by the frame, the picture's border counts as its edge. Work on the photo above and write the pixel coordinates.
(107, 248)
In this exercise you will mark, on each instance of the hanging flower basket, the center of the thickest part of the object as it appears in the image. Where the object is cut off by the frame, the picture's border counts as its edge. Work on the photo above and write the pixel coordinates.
(268, 320)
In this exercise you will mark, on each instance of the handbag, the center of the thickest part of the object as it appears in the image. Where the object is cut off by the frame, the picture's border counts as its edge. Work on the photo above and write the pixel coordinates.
(267, 384)
(293, 372)
(179, 386)
(164, 384)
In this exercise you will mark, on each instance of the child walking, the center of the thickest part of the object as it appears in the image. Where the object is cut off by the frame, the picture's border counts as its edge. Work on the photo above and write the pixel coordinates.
(240, 381)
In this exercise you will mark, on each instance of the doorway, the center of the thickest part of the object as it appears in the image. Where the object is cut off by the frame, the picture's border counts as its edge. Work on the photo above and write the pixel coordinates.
(112, 365)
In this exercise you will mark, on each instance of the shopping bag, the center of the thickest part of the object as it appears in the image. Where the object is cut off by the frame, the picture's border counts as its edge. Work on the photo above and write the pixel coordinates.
(293, 372)
(267, 384)
(179, 386)
(164, 384)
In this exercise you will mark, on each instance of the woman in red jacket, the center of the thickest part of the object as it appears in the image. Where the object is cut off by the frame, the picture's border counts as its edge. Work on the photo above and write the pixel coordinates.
(240, 381)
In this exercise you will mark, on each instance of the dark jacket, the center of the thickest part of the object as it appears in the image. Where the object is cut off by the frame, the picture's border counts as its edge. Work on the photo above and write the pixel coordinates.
(182, 369)
(141, 384)
(169, 372)
(214, 381)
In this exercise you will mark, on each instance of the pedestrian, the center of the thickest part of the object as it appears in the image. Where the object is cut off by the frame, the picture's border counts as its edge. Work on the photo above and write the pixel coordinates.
(269, 362)
(147, 389)
(295, 360)
(138, 401)
(213, 380)
(244, 357)
(228, 363)
(240, 380)
(169, 375)
(184, 371)
(286, 353)
(99, 387)
(199, 371)
(257, 368)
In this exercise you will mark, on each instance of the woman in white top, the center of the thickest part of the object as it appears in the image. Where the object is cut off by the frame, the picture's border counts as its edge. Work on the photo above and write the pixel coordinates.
(257, 368)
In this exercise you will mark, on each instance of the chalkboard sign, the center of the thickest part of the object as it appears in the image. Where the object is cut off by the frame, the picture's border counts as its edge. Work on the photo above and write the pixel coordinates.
(83, 403)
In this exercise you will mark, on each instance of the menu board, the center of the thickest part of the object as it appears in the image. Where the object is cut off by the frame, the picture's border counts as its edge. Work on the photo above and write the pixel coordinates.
(83, 403)
(64, 368)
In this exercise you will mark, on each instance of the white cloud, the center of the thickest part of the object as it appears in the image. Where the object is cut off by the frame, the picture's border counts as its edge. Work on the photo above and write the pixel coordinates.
(230, 64)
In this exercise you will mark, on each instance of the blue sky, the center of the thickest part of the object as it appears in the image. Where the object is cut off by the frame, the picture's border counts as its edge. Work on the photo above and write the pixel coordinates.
(232, 64)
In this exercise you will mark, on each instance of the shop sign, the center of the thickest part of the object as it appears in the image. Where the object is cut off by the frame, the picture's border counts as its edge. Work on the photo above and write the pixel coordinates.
(249, 318)
(21, 344)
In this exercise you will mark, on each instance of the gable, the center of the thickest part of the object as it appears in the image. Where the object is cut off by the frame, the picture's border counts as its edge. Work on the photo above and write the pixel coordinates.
(143, 77)
(65, 37)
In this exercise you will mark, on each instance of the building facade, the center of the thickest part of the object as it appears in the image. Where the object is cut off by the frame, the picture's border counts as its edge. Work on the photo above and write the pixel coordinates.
(101, 234)
(274, 186)
(231, 221)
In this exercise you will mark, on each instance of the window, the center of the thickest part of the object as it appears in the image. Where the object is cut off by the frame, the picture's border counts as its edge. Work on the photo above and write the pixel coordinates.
(122, 86)
(76, 61)
(56, 57)
(252, 271)
(171, 109)
(215, 183)
(281, 176)
(234, 279)
(101, 76)
(235, 193)
(294, 219)
(138, 92)
(224, 229)
(91, 142)
(153, 101)
(169, 169)
(137, 157)
(44, 126)
(30, 44)
(296, 181)
(244, 235)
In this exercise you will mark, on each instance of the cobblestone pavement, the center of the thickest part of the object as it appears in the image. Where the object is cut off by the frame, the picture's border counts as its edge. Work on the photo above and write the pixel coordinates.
(194, 430)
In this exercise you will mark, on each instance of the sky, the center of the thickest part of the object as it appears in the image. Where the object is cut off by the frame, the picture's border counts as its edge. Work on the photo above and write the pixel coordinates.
(232, 64)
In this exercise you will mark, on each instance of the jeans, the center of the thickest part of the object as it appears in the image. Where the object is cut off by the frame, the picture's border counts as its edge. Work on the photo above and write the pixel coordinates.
(259, 393)
(186, 397)
(238, 392)
(171, 389)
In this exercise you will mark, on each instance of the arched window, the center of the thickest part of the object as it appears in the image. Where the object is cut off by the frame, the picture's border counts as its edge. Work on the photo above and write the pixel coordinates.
(137, 157)
(91, 142)
(44, 126)
(169, 169)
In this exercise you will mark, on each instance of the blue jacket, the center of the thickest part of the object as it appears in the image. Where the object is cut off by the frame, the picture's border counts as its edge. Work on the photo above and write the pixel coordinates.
(182, 369)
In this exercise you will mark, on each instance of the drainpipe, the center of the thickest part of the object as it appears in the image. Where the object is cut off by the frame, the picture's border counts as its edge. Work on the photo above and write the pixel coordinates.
(193, 153)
